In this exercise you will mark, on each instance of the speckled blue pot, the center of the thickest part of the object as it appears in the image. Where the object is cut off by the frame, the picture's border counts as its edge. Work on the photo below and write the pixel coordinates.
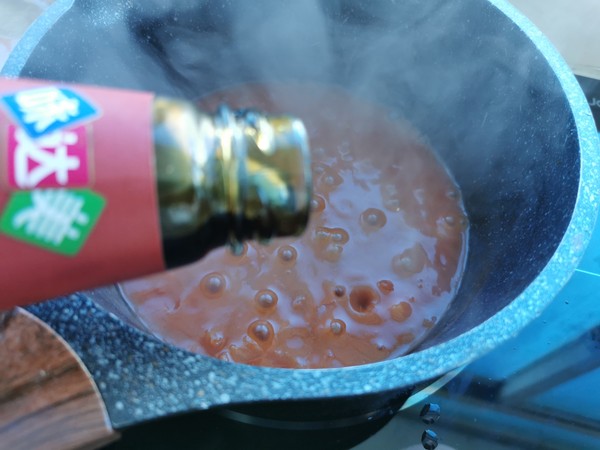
(486, 88)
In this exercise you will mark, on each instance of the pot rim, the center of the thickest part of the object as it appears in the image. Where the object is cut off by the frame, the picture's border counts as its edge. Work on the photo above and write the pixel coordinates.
(281, 384)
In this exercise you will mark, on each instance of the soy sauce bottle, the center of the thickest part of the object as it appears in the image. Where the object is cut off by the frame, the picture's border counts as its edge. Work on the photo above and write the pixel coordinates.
(102, 185)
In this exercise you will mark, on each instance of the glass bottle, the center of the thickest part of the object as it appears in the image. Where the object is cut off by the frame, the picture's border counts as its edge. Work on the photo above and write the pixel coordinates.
(102, 185)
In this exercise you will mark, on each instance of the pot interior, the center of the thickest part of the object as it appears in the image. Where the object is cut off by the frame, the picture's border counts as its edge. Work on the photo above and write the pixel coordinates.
(462, 73)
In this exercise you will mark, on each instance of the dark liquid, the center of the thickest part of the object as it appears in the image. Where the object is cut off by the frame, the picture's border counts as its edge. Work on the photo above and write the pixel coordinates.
(376, 269)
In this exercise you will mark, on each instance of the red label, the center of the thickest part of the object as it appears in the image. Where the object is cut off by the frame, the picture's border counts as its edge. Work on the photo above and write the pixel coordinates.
(58, 159)
(78, 205)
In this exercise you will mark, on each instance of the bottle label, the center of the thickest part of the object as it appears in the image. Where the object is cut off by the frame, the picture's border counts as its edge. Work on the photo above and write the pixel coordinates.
(59, 220)
(78, 205)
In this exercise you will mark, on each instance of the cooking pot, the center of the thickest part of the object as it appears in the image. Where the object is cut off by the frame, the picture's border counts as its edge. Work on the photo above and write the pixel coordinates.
(488, 91)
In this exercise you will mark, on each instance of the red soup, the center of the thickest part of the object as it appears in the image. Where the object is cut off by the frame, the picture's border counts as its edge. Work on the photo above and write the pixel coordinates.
(379, 264)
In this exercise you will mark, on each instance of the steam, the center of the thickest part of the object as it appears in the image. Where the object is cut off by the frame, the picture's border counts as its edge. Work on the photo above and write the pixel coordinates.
(451, 68)
(463, 75)
(283, 38)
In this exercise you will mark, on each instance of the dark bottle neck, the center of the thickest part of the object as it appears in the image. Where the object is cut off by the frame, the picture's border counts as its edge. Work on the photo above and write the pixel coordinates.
(226, 178)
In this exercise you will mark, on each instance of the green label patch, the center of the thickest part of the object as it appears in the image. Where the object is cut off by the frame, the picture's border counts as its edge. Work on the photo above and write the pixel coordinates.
(59, 220)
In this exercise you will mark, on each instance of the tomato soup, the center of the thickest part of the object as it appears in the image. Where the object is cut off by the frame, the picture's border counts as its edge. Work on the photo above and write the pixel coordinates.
(378, 266)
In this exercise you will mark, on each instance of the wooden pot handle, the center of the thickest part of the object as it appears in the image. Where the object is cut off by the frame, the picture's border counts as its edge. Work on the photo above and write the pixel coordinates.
(48, 399)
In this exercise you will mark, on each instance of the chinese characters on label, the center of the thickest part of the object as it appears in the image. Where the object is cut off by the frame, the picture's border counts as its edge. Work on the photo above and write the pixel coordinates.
(47, 150)
(57, 159)
(42, 110)
(56, 219)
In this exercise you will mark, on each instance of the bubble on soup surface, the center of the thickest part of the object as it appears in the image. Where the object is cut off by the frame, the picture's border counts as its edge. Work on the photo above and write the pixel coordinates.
(332, 252)
(361, 305)
(340, 236)
(339, 291)
(287, 254)
(317, 204)
(326, 234)
(337, 326)
(401, 311)
(261, 331)
(363, 298)
(213, 285)
(409, 262)
(451, 225)
(249, 350)
(372, 219)
(329, 180)
(213, 341)
(266, 299)
(385, 286)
